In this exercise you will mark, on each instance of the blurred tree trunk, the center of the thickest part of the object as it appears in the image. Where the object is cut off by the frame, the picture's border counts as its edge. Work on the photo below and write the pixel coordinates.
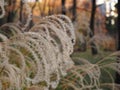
(32, 9)
(118, 24)
(11, 12)
(118, 39)
(21, 11)
(92, 19)
(44, 8)
(74, 10)
(63, 7)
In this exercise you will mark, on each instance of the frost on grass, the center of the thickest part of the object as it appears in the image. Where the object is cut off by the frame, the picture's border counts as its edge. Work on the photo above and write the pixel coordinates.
(88, 76)
(40, 57)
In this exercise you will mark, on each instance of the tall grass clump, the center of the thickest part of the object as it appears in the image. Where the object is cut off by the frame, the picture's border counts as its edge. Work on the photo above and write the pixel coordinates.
(99, 75)
(39, 58)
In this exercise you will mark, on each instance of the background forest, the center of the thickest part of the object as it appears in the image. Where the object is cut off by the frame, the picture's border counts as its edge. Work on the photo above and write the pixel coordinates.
(59, 44)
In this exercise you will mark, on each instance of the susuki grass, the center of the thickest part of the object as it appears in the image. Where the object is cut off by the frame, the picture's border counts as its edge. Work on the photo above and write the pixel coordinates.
(36, 58)
(39, 58)
(87, 76)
